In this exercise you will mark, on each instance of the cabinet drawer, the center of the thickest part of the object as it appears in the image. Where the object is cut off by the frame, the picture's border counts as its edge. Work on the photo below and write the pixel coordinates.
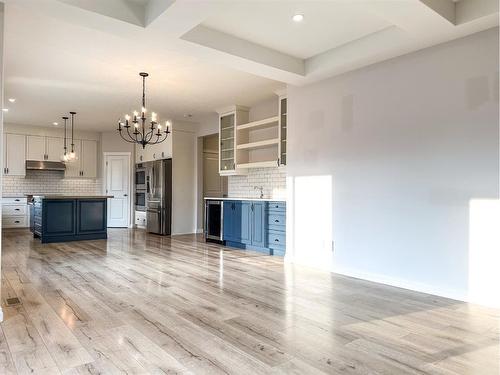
(15, 200)
(14, 210)
(15, 222)
(276, 219)
(276, 239)
(276, 206)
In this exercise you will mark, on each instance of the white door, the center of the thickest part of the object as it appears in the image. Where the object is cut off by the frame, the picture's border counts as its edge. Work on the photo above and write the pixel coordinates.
(117, 176)
(36, 147)
(55, 148)
(89, 159)
(73, 169)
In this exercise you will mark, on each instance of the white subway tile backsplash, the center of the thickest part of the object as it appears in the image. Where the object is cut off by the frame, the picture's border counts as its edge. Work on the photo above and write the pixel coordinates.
(53, 182)
(273, 180)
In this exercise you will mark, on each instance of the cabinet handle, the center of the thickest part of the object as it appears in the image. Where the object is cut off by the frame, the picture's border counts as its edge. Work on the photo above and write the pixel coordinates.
(7, 170)
(163, 154)
(17, 221)
(154, 155)
(140, 158)
(276, 221)
(252, 206)
(276, 240)
(278, 161)
(17, 209)
(17, 200)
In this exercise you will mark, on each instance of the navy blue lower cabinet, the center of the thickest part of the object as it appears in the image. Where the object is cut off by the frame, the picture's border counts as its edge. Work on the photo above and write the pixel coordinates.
(255, 225)
(69, 219)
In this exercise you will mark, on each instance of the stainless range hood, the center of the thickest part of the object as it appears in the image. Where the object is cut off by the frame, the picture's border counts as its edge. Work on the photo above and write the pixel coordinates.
(45, 165)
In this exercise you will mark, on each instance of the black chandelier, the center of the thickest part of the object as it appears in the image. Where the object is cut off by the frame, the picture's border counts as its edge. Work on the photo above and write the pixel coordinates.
(143, 134)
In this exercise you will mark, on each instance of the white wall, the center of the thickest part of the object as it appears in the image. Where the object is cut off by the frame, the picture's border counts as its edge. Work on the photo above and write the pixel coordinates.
(184, 175)
(386, 162)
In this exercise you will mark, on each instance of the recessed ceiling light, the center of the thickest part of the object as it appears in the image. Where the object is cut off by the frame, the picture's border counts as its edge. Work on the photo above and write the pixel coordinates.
(55, 123)
(298, 18)
(5, 109)
(12, 100)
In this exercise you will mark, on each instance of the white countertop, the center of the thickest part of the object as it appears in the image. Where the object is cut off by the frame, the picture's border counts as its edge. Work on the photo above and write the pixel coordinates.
(246, 199)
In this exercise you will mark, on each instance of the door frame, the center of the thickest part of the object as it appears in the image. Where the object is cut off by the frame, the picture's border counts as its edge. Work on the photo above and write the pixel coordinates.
(130, 179)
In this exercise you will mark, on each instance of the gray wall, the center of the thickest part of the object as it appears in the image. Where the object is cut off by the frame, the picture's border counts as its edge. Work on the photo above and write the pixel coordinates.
(387, 162)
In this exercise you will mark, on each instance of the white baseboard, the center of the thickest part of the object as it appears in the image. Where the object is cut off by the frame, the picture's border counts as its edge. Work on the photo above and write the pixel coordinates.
(405, 284)
(458, 295)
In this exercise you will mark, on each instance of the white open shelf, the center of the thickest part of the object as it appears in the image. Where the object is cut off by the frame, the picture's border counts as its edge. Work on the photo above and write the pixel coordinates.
(258, 164)
(259, 144)
(271, 121)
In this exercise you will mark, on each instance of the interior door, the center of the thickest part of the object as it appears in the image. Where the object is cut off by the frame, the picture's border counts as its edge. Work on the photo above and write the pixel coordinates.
(89, 159)
(36, 147)
(15, 154)
(117, 176)
(55, 148)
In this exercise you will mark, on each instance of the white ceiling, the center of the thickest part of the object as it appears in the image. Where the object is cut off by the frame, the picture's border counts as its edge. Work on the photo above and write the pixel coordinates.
(85, 55)
(326, 24)
(53, 66)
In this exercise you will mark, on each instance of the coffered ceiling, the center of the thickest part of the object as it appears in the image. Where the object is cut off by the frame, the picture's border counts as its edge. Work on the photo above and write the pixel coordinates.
(86, 54)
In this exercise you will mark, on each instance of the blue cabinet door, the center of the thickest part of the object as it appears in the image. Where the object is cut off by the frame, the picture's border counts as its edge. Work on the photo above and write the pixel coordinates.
(244, 210)
(229, 219)
(258, 224)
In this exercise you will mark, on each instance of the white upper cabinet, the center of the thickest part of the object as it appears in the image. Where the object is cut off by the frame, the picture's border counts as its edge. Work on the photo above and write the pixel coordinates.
(229, 119)
(42, 148)
(89, 159)
(139, 154)
(14, 157)
(158, 151)
(54, 148)
(73, 169)
(36, 148)
(86, 163)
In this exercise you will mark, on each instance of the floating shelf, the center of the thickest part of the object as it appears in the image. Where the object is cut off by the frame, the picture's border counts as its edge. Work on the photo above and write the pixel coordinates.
(258, 164)
(271, 121)
(227, 139)
(225, 159)
(260, 144)
(227, 149)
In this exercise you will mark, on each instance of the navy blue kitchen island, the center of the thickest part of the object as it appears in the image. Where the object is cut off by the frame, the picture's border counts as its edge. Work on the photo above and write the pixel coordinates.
(62, 218)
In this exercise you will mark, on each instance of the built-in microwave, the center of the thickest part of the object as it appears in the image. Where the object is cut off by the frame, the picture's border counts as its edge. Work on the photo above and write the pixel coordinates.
(140, 200)
(140, 177)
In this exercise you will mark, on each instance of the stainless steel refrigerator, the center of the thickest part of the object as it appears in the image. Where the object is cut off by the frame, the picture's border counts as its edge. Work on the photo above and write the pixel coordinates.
(159, 196)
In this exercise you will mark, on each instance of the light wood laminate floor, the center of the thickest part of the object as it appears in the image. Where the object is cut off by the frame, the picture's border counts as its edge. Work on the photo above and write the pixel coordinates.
(139, 304)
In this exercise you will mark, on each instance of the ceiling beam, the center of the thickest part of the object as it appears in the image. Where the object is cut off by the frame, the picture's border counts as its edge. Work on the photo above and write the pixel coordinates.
(261, 56)
(120, 9)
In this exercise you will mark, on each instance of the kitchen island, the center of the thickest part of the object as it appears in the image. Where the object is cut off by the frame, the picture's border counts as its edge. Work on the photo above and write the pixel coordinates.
(62, 218)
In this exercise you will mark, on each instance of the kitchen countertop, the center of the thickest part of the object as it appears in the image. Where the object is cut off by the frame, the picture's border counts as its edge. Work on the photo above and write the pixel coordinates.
(62, 196)
(246, 199)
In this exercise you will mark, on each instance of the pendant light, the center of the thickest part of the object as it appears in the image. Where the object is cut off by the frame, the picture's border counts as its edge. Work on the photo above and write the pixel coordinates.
(72, 154)
(64, 157)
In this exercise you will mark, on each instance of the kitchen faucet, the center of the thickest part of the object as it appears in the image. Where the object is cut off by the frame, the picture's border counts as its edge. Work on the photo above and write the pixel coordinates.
(261, 190)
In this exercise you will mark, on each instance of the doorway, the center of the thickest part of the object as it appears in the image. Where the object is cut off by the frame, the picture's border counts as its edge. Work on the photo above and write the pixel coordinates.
(210, 183)
(214, 185)
(117, 184)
